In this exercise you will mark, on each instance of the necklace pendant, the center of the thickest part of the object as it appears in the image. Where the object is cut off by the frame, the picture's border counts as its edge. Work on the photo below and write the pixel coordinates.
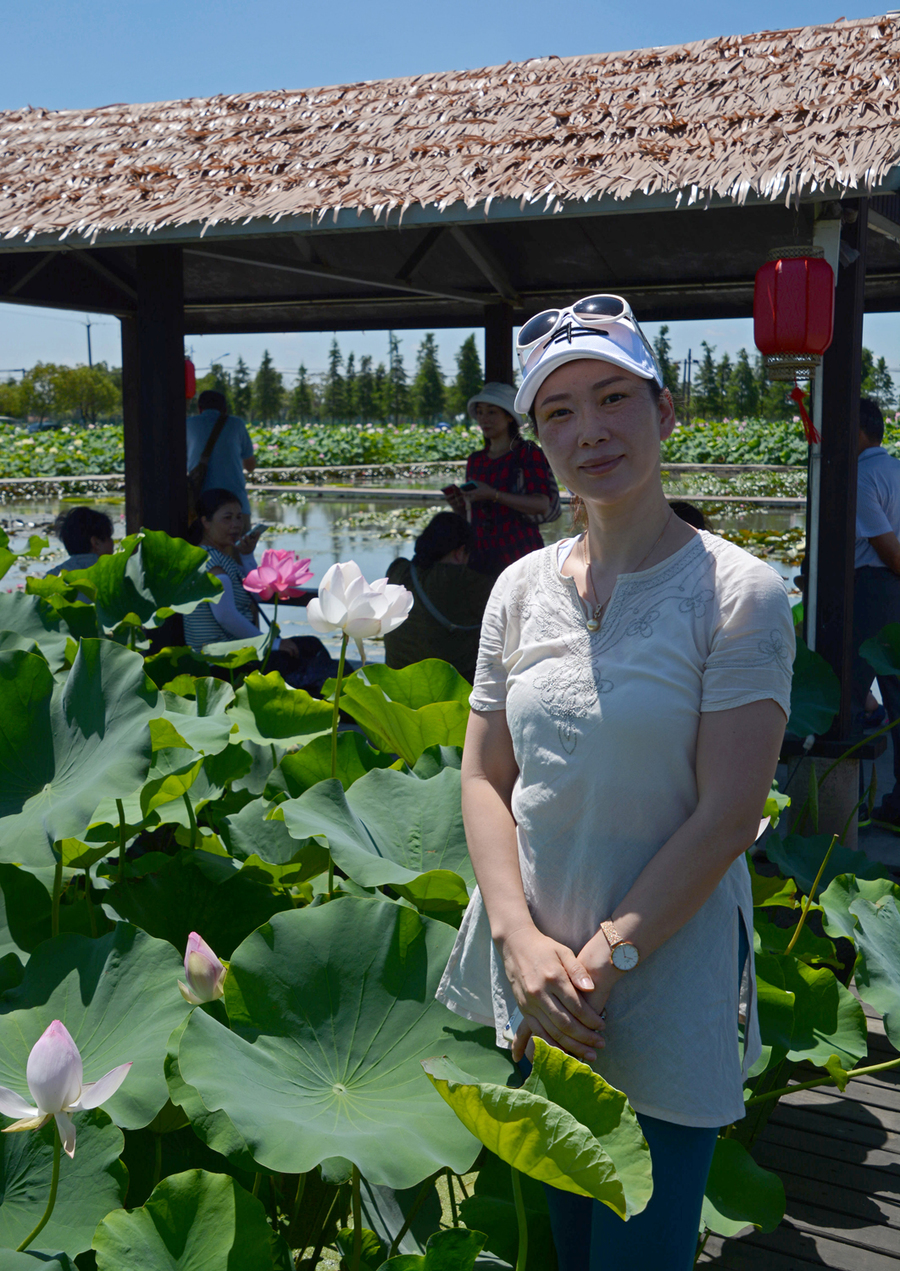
(592, 624)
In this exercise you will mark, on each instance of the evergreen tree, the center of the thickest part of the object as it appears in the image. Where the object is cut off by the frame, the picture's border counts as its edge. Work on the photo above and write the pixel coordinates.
(268, 390)
(707, 396)
(671, 371)
(876, 380)
(774, 402)
(469, 377)
(428, 385)
(350, 402)
(302, 398)
(381, 398)
(216, 378)
(333, 397)
(241, 392)
(396, 388)
(366, 390)
(742, 390)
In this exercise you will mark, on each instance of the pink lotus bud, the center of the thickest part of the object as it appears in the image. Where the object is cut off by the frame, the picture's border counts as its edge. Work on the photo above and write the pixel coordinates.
(205, 973)
(279, 574)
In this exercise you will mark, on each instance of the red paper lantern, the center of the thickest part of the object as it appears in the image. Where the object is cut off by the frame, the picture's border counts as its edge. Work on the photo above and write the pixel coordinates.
(190, 379)
(793, 311)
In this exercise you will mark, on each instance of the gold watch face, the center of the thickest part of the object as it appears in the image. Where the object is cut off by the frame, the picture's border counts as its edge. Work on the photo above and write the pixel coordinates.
(625, 957)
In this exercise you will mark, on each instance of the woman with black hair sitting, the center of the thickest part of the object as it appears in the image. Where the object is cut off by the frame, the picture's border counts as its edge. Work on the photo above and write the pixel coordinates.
(445, 620)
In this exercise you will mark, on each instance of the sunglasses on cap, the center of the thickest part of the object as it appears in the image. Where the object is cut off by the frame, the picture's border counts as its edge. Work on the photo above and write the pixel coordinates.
(585, 317)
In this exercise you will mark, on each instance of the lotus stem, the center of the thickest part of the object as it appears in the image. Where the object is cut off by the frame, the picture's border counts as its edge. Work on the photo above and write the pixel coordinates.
(335, 717)
(521, 1220)
(357, 1221)
(864, 741)
(191, 818)
(51, 1201)
(255, 1189)
(121, 870)
(57, 894)
(812, 892)
(157, 1161)
(824, 1081)
(273, 631)
(92, 917)
(411, 1216)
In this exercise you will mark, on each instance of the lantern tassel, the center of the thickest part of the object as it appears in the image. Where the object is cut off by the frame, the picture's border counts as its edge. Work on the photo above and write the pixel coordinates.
(809, 427)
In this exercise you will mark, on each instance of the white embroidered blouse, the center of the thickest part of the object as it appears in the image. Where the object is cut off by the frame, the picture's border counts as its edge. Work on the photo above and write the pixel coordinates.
(604, 730)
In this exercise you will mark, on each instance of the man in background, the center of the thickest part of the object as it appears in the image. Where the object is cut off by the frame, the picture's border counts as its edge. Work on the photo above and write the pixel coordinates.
(876, 594)
(232, 454)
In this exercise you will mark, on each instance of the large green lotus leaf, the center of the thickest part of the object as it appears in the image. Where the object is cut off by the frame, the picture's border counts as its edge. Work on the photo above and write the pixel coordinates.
(214, 1128)
(491, 1209)
(815, 693)
(201, 720)
(24, 912)
(149, 572)
(299, 770)
(454, 1250)
(808, 947)
(233, 654)
(64, 747)
(740, 1192)
(869, 914)
(175, 667)
(882, 651)
(435, 759)
(118, 997)
(248, 833)
(179, 898)
(34, 620)
(396, 728)
(34, 1258)
(90, 1185)
(800, 857)
(805, 1013)
(415, 686)
(387, 828)
(566, 1126)
(194, 1221)
(266, 710)
(332, 1009)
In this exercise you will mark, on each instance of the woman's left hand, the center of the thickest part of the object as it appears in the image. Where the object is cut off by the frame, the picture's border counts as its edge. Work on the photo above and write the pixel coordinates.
(596, 959)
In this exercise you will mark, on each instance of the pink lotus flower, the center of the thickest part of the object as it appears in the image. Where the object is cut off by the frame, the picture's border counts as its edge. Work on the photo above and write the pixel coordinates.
(54, 1074)
(279, 574)
(205, 973)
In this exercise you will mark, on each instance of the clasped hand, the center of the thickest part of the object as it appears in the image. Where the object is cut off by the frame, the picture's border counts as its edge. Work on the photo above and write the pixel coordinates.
(559, 996)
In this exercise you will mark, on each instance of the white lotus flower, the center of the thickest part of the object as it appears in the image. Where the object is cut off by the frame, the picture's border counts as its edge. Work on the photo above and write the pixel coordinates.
(54, 1074)
(204, 972)
(346, 602)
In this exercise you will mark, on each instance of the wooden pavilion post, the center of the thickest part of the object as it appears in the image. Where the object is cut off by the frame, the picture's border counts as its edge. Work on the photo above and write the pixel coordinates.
(153, 395)
(841, 380)
(498, 343)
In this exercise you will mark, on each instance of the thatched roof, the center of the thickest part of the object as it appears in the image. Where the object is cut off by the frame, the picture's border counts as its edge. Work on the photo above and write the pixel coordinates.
(778, 114)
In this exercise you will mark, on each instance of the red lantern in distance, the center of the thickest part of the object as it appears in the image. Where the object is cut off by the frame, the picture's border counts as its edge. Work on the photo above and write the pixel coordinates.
(190, 379)
(793, 311)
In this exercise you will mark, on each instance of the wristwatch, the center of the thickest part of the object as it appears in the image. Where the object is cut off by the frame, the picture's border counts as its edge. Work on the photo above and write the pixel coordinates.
(623, 954)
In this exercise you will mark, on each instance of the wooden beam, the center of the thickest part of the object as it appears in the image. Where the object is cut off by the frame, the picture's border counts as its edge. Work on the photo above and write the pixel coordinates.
(421, 253)
(498, 349)
(487, 263)
(153, 395)
(841, 384)
(27, 277)
(91, 262)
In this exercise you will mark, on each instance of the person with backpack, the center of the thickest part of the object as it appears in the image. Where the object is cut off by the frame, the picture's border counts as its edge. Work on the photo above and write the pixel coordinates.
(219, 451)
(509, 489)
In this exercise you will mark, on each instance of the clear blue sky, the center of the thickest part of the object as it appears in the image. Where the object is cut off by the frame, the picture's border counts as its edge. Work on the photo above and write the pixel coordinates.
(58, 54)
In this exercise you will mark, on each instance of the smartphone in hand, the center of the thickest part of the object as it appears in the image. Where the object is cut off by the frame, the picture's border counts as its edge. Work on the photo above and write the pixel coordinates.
(468, 485)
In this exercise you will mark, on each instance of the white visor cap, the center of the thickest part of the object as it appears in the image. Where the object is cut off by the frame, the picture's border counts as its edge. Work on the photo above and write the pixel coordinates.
(494, 394)
(617, 343)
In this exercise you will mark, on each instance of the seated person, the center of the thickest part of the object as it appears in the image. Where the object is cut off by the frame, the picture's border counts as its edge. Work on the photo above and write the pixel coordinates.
(86, 535)
(445, 620)
(305, 662)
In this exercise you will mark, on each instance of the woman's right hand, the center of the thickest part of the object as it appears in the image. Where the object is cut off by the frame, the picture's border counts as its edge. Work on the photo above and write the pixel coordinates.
(549, 982)
(289, 647)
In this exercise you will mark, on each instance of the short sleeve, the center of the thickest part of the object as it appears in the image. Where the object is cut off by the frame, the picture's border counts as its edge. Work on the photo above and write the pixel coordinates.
(871, 518)
(246, 443)
(752, 648)
(489, 689)
(535, 470)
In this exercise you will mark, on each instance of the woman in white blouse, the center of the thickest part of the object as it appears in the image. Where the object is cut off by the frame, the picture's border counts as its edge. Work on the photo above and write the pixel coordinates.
(629, 705)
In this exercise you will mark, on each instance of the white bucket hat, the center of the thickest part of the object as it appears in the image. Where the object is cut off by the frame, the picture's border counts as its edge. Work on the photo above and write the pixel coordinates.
(495, 394)
(617, 340)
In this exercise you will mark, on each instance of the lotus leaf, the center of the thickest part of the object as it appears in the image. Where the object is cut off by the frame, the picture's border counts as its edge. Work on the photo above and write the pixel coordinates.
(90, 1185)
(566, 1126)
(388, 1212)
(867, 913)
(233, 654)
(882, 651)
(192, 1222)
(384, 830)
(807, 1013)
(815, 693)
(214, 1128)
(435, 759)
(453, 1250)
(175, 667)
(201, 719)
(491, 1209)
(406, 712)
(740, 1193)
(332, 1009)
(266, 710)
(118, 997)
(150, 572)
(799, 857)
(63, 747)
(34, 621)
(34, 1258)
(248, 833)
(300, 770)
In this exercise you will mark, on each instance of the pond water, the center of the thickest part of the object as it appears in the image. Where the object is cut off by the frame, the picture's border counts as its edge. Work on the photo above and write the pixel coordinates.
(375, 532)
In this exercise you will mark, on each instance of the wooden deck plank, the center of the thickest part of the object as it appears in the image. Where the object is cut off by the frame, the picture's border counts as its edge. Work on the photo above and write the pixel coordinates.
(809, 1170)
(793, 1250)
(867, 1136)
(829, 1158)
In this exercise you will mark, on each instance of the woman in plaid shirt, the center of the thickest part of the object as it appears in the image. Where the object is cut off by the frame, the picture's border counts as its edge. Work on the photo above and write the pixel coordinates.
(512, 484)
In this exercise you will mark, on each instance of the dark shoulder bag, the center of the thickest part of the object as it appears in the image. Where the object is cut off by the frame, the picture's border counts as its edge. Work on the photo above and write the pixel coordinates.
(197, 474)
